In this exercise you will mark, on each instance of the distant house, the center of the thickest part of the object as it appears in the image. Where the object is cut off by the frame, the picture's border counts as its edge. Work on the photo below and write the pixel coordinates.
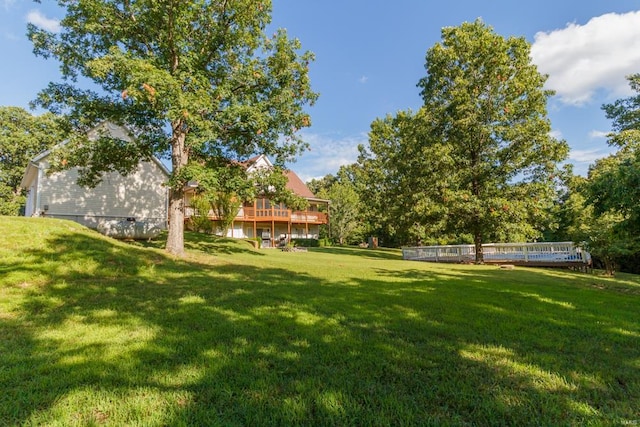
(274, 222)
(139, 196)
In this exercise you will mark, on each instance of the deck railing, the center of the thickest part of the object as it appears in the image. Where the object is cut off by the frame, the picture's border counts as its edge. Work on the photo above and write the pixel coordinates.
(251, 214)
(544, 253)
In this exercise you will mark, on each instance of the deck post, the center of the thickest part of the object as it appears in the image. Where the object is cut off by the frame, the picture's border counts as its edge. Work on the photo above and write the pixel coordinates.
(526, 253)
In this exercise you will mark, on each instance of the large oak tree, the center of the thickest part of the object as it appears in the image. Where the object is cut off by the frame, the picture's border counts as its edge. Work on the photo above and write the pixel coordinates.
(188, 78)
(477, 161)
(488, 104)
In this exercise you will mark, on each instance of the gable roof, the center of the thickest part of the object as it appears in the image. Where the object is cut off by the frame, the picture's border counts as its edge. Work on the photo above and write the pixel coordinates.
(295, 184)
(114, 130)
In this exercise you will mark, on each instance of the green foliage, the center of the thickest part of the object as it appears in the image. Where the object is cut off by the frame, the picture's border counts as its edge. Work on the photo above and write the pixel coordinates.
(344, 211)
(613, 188)
(477, 159)
(222, 188)
(614, 196)
(571, 211)
(199, 220)
(324, 242)
(606, 241)
(625, 113)
(316, 186)
(345, 207)
(271, 184)
(306, 243)
(399, 185)
(22, 137)
(600, 233)
(188, 79)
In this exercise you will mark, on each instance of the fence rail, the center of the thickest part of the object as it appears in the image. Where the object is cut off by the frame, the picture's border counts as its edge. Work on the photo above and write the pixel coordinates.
(544, 253)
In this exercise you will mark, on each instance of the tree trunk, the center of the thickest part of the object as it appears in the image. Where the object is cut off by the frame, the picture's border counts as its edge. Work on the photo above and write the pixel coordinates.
(477, 222)
(477, 240)
(609, 266)
(179, 159)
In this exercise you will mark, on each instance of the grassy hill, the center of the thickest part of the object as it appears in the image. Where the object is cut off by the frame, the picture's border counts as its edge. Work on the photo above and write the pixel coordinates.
(94, 331)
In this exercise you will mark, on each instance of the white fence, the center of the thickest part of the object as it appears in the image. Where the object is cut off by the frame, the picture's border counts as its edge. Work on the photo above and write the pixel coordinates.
(544, 253)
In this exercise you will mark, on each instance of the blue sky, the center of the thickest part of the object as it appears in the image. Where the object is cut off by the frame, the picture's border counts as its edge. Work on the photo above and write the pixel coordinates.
(370, 56)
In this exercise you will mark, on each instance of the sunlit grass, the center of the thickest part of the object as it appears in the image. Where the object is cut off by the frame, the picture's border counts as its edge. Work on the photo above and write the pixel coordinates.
(99, 332)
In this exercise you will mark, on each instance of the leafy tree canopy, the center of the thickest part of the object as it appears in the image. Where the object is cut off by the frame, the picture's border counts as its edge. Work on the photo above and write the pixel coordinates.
(188, 78)
(613, 194)
(22, 137)
(487, 107)
(476, 162)
(345, 207)
(613, 188)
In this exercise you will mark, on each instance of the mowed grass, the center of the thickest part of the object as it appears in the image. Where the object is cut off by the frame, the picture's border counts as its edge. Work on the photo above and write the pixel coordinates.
(99, 332)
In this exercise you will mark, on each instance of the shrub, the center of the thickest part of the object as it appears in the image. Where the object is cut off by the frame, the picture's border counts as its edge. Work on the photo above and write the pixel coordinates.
(306, 243)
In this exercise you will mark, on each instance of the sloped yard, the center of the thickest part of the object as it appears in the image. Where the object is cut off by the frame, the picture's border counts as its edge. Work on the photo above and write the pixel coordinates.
(94, 331)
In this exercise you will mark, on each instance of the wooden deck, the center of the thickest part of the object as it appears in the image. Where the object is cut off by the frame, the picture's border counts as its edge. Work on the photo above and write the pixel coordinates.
(272, 214)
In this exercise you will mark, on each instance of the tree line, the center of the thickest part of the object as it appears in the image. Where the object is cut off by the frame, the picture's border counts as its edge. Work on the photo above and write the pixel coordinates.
(477, 162)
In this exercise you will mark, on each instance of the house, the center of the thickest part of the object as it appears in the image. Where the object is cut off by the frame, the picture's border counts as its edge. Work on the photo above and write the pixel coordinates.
(272, 222)
(140, 196)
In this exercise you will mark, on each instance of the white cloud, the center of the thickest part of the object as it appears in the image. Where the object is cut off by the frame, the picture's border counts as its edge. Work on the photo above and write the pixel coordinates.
(556, 134)
(597, 134)
(581, 59)
(326, 155)
(36, 18)
(363, 79)
(587, 156)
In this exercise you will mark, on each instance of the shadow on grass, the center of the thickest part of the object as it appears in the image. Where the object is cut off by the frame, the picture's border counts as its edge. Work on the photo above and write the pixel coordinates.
(381, 253)
(119, 334)
(204, 242)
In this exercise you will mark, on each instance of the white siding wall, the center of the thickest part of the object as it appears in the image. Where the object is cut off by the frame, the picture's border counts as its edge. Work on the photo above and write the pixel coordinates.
(140, 195)
(30, 207)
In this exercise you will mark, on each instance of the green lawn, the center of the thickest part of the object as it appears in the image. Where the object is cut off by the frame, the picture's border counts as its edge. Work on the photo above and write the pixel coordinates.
(98, 332)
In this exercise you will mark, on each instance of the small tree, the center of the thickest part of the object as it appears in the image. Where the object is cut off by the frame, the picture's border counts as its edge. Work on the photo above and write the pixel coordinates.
(187, 78)
(224, 185)
(199, 220)
(344, 211)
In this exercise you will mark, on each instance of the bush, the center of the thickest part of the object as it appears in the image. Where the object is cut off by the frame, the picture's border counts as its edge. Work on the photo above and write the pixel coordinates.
(324, 242)
(306, 243)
